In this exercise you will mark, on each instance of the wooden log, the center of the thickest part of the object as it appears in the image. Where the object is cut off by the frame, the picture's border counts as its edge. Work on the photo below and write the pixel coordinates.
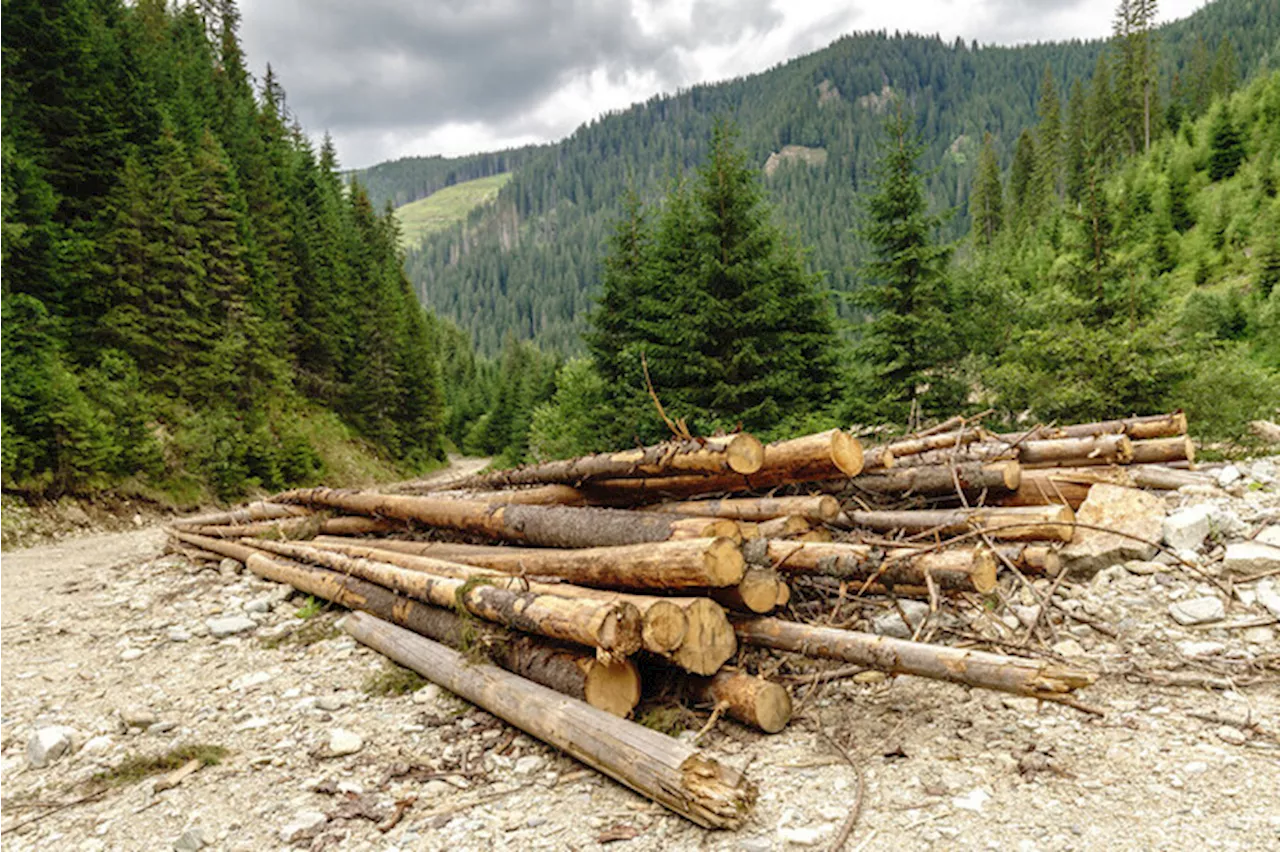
(749, 699)
(827, 455)
(961, 568)
(664, 625)
(1016, 675)
(548, 526)
(739, 453)
(358, 525)
(537, 495)
(1163, 450)
(1070, 485)
(940, 480)
(612, 685)
(612, 627)
(285, 528)
(1159, 477)
(683, 779)
(1053, 452)
(260, 510)
(675, 565)
(757, 592)
(882, 458)
(820, 507)
(1136, 428)
(791, 525)
(1012, 523)
(1033, 558)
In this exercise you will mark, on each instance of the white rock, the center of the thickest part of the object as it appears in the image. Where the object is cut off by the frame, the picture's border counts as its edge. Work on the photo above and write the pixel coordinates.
(1268, 597)
(97, 745)
(1187, 529)
(1069, 648)
(1233, 736)
(344, 742)
(230, 625)
(192, 840)
(974, 800)
(528, 764)
(890, 623)
(1143, 569)
(249, 681)
(1227, 523)
(1250, 557)
(1229, 475)
(138, 717)
(1261, 635)
(1130, 511)
(131, 654)
(258, 605)
(1197, 611)
(1269, 535)
(229, 567)
(435, 788)
(1200, 649)
(429, 694)
(303, 826)
(50, 743)
(179, 634)
(333, 701)
(809, 835)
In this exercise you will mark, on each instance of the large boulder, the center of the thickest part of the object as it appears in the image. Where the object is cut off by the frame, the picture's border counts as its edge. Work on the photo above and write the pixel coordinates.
(1126, 510)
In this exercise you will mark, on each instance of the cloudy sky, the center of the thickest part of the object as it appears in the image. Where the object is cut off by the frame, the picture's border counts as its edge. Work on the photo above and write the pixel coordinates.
(394, 78)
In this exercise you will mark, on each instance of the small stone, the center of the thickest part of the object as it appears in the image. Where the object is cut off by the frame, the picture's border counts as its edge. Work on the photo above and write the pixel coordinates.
(162, 727)
(436, 787)
(259, 605)
(1269, 535)
(890, 623)
(1196, 767)
(78, 516)
(49, 744)
(528, 764)
(975, 800)
(535, 822)
(249, 681)
(332, 702)
(1027, 615)
(343, 742)
(1200, 649)
(303, 826)
(229, 567)
(179, 634)
(810, 835)
(759, 843)
(138, 717)
(1126, 510)
(1261, 635)
(131, 654)
(1231, 736)
(1267, 595)
(1229, 475)
(429, 694)
(1250, 557)
(1069, 648)
(1197, 611)
(1187, 529)
(230, 625)
(1143, 569)
(192, 840)
(97, 745)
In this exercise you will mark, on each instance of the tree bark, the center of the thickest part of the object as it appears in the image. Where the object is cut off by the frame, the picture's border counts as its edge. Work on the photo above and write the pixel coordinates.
(739, 453)
(816, 508)
(881, 458)
(286, 528)
(939, 480)
(686, 564)
(536, 495)
(1016, 675)
(961, 568)
(1033, 558)
(1053, 452)
(1162, 450)
(1015, 523)
(683, 779)
(257, 511)
(611, 685)
(749, 699)
(357, 525)
(791, 525)
(1137, 428)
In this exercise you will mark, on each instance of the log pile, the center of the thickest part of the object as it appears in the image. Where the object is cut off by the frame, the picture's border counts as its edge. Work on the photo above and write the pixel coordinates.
(559, 596)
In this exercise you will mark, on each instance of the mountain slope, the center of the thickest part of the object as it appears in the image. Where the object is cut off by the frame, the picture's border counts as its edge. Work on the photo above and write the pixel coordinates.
(446, 207)
(528, 265)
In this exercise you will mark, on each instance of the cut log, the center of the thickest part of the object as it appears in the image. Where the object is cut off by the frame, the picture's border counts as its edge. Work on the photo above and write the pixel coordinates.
(1063, 486)
(961, 568)
(683, 779)
(1016, 675)
(1163, 450)
(827, 455)
(749, 699)
(1136, 428)
(881, 458)
(358, 525)
(757, 592)
(612, 685)
(1014, 523)
(818, 508)
(940, 480)
(537, 495)
(739, 453)
(286, 528)
(257, 511)
(686, 564)
(1033, 558)
(1163, 478)
(663, 623)
(786, 527)
(612, 627)
(548, 526)
(1053, 452)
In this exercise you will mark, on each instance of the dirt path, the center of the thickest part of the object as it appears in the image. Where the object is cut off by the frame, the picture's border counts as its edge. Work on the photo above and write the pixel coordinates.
(106, 637)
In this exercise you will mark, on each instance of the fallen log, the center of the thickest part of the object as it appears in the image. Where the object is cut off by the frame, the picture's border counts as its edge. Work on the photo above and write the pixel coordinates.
(961, 568)
(1013, 523)
(749, 699)
(674, 565)
(612, 627)
(664, 625)
(683, 779)
(1017, 675)
(1136, 428)
(1163, 478)
(881, 458)
(537, 495)
(306, 526)
(1032, 558)
(548, 526)
(739, 453)
(358, 525)
(1070, 485)
(611, 685)
(1164, 450)
(1052, 452)
(827, 455)
(791, 525)
(817, 508)
(939, 480)
(260, 510)
(757, 591)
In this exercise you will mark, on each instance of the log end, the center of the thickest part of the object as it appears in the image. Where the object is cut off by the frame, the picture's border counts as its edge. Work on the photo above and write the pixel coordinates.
(619, 629)
(613, 686)
(710, 642)
(1010, 473)
(773, 707)
(828, 508)
(717, 796)
(1061, 524)
(1191, 447)
(745, 454)
(665, 627)
(1179, 419)
(846, 453)
(1124, 450)
(724, 562)
(784, 594)
(759, 590)
(982, 571)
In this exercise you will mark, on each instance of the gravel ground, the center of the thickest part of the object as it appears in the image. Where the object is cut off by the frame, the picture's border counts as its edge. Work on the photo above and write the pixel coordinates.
(108, 654)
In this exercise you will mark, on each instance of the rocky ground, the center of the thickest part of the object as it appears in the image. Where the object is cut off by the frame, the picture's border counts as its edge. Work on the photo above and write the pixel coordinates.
(113, 653)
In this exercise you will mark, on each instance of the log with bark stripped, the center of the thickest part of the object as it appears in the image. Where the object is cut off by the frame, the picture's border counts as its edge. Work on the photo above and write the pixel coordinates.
(973, 478)
(758, 591)
(683, 779)
(1033, 558)
(1009, 523)
(822, 507)
(260, 510)
(1053, 452)
(1136, 428)
(611, 685)
(791, 525)
(749, 699)
(881, 458)
(961, 568)
(1164, 450)
(1017, 675)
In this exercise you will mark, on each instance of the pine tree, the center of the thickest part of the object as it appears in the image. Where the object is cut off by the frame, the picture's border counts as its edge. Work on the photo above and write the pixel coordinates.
(1048, 138)
(1024, 191)
(1226, 145)
(906, 342)
(986, 200)
(1077, 140)
(1225, 75)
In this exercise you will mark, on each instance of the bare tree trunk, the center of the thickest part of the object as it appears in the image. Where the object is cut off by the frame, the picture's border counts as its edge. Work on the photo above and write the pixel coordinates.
(817, 508)
(961, 568)
(1014, 523)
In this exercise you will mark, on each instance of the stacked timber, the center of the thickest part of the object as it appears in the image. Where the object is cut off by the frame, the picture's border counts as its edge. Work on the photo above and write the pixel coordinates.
(560, 595)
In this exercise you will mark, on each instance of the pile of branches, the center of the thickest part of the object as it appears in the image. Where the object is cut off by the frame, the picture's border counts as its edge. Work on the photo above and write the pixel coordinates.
(688, 566)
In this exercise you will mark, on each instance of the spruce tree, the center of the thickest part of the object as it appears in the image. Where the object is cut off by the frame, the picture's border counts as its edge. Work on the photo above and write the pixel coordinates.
(1024, 190)
(1048, 138)
(986, 204)
(1226, 145)
(907, 341)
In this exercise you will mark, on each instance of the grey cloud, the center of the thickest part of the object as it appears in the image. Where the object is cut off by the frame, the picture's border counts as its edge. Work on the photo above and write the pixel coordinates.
(383, 66)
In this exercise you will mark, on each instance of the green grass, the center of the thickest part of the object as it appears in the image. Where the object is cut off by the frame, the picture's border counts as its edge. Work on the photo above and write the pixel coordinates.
(445, 208)
(394, 680)
(133, 769)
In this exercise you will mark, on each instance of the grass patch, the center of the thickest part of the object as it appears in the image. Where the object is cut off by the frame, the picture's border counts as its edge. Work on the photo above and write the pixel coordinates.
(446, 207)
(134, 769)
(669, 719)
(313, 630)
(393, 680)
(313, 607)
